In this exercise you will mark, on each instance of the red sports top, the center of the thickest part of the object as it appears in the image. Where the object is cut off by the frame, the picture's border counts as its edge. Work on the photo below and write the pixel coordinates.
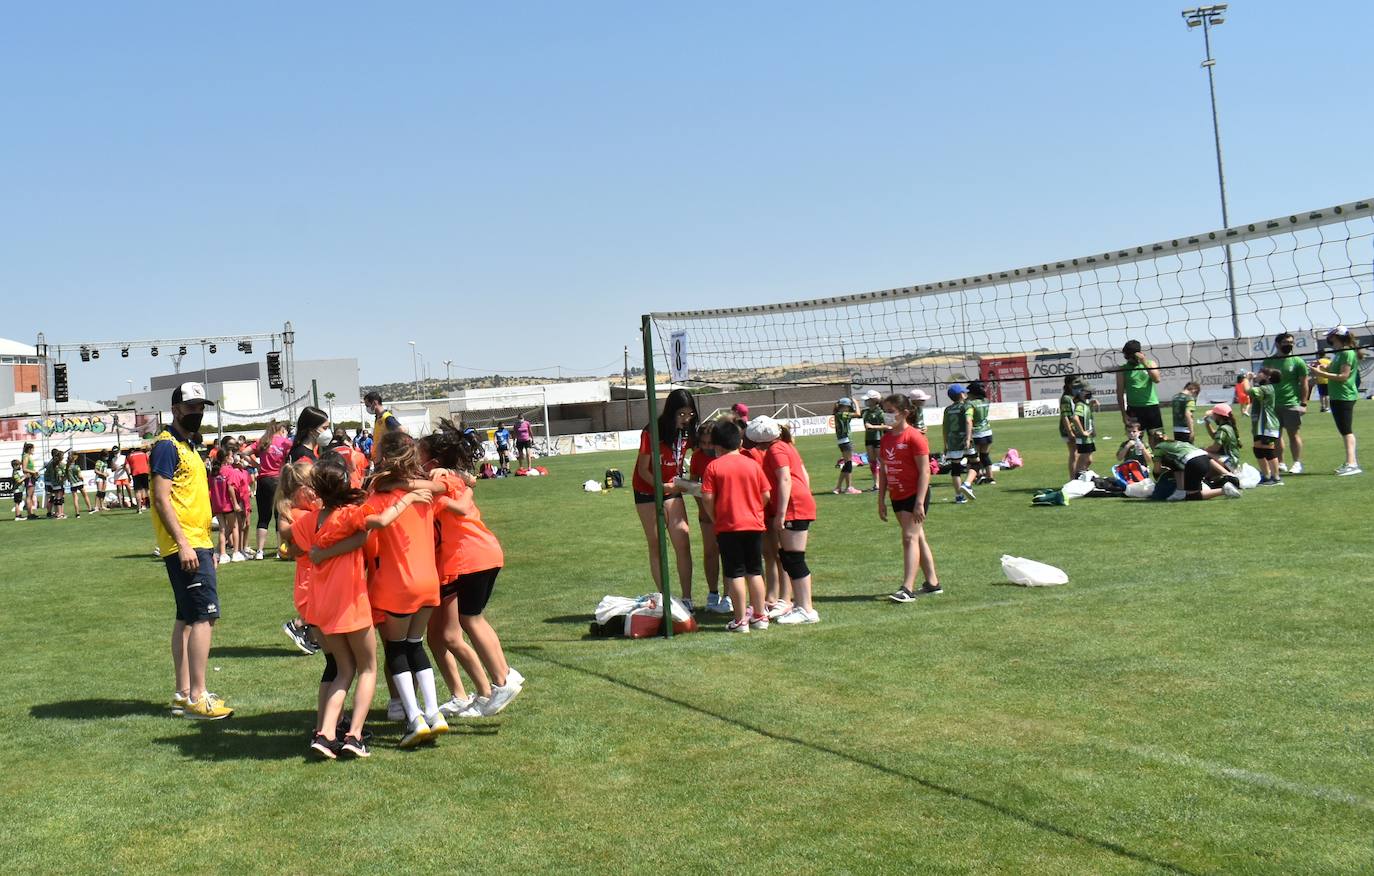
(801, 505)
(738, 486)
(903, 453)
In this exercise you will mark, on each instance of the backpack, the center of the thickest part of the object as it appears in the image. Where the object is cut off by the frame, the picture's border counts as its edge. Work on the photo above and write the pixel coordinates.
(487, 471)
(1129, 472)
(613, 479)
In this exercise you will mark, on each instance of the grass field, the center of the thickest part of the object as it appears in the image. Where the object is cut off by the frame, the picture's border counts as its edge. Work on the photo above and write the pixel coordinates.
(1197, 699)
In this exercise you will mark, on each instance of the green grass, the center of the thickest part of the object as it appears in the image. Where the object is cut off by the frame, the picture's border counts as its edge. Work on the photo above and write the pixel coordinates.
(1197, 699)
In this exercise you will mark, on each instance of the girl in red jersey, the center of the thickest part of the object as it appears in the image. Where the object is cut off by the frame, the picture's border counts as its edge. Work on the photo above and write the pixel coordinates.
(469, 558)
(790, 515)
(333, 537)
(904, 476)
(676, 432)
(735, 492)
(403, 583)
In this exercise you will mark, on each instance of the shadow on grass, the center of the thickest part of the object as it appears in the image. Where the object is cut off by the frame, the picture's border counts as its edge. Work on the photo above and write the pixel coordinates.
(148, 555)
(95, 710)
(569, 619)
(970, 797)
(256, 651)
(855, 597)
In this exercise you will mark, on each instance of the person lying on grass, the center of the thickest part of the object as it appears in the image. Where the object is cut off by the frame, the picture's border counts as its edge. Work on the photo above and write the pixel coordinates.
(1192, 468)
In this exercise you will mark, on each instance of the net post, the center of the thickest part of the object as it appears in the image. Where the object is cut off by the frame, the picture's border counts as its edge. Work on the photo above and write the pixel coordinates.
(314, 393)
(656, 467)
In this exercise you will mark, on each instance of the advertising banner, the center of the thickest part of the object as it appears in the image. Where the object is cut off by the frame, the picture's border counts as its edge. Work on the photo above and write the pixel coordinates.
(1007, 377)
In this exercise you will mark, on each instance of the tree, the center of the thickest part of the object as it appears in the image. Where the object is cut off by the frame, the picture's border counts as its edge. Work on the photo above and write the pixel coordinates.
(329, 400)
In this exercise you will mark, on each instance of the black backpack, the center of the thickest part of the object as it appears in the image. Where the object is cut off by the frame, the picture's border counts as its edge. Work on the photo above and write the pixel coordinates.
(613, 479)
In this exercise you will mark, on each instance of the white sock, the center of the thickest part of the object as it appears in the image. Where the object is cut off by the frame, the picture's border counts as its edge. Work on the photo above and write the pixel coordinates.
(405, 691)
(425, 678)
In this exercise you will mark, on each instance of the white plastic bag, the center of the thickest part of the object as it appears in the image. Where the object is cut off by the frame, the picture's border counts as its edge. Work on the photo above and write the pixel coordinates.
(1076, 489)
(1248, 476)
(592, 486)
(688, 486)
(1087, 475)
(1141, 489)
(614, 606)
(1029, 573)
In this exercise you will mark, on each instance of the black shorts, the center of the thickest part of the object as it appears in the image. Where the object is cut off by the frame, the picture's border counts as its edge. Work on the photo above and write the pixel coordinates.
(194, 592)
(741, 553)
(1186, 437)
(523, 445)
(140, 482)
(1194, 470)
(1148, 417)
(1343, 412)
(648, 498)
(908, 505)
(797, 525)
(1090, 447)
(472, 590)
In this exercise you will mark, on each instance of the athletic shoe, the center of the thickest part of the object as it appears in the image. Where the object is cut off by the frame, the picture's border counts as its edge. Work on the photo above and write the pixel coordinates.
(966, 490)
(417, 731)
(237, 557)
(777, 608)
(737, 626)
(961, 499)
(223, 558)
(297, 634)
(854, 491)
(1297, 468)
(717, 604)
(687, 604)
(1347, 470)
(514, 678)
(354, 747)
(501, 696)
(473, 709)
(179, 701)
(395, 710)
(758, 622)
(836, 491)
(1283, 469)
(901, 594)
(1231, 491)
(929, 589)
(257, 555)
(208, 708)
(455, 705)
(437, 725)
(799, 615)
(157, 552)
(321, 747)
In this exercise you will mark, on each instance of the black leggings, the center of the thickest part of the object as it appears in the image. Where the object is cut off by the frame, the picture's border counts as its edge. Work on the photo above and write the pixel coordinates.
(1343, 412)
(267, 494)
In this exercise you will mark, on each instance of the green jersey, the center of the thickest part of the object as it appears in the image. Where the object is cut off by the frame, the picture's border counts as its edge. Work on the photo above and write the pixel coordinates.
(956, 426)
(74, 475)
(1346, 391)
(980, 407)
(873, 416)
(1084, 412)
(1133, 452)
(1065, 414)
(919, 416)
(1140, 389)
(30, 465)
(1228, 440)
(1175, 454)
(55, 473)
(1184, 405)
(1288, 392)
(842, 419)
(1264, 418)
(101, 467)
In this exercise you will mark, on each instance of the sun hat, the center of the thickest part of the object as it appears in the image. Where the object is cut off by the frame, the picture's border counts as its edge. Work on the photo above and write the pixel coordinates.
(1221, 410)
(955, 390)
(919, 395)
(763, 430)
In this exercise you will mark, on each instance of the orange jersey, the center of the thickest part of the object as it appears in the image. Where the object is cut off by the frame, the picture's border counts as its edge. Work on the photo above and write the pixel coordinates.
(464, 545)
(300, 592)
(338, 587)
(403, 576)
(357, 462)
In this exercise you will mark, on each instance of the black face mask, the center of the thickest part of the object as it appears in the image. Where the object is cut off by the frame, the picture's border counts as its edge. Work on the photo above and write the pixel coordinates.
(1286, 349)
(190, 423)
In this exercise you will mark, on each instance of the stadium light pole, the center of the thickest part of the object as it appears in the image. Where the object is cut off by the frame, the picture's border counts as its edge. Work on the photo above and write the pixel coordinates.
(448, 370)
(1208, 17)
(415, 367)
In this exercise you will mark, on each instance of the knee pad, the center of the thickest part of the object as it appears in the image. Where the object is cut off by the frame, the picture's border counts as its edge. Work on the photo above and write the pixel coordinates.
(848, 466)
(794, 564)
(397, 658)
(984, 460)
(331, 669)
(415, 654)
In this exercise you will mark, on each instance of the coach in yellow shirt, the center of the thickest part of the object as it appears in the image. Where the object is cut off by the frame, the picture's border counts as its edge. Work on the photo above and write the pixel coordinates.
(181, 522)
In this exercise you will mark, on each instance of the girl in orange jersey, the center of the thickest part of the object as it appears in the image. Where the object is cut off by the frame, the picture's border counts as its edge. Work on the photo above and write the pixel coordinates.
(469, 557)
(340, 611)
(296, 496)
(403, 582)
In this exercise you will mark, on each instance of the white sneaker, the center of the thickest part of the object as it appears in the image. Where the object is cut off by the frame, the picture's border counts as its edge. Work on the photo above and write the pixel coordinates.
(437, 725)
(454, 706)
(514, 678)
(1346, 470)
(799, 615)
(501, 696)
(237, 557)
(474, 708)
(417, 731)
(395, 710)
(737, 626)
(1297, 468)
(1283, 467)
(1231, 490)
(777, 608)
(224, 558)
(257, 555)
(717, 604)
(967, 490)
(1177, 496)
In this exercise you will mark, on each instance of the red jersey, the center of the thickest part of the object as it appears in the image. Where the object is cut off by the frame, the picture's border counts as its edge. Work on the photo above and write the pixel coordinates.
(902, 455)
(137, 463)
(801, 505)
(464, 545)
(670, 453)
(754, 453)
(738, 487)
(697, 467)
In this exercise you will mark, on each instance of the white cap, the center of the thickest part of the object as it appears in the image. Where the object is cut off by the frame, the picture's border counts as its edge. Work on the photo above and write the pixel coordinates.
(872, 395)
(1338, 330)
(190, 392)
(763, 430)
(919, 395)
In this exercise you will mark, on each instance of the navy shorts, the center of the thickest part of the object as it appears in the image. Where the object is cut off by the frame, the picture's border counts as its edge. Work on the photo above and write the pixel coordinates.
(194, 592)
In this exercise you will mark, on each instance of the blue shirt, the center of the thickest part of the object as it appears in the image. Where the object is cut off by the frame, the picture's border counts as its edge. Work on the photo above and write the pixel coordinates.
(502, 437)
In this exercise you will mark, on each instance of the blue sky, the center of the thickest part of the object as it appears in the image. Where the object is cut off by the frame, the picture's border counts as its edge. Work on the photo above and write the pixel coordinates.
(512, 186)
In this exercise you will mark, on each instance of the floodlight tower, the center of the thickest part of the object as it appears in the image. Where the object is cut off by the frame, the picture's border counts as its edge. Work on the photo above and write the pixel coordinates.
(1207, 17)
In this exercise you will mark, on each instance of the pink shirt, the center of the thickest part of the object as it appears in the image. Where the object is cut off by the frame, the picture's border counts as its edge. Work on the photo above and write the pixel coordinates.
(522, 430)
(271, 460)
(220, 485)
(242, 483)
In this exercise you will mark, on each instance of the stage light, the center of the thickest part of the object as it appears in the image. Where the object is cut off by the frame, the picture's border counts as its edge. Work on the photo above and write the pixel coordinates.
(214, 348)
(85, 353)
(181, 351)
(124, 352)
(95, 354)
(154, 351)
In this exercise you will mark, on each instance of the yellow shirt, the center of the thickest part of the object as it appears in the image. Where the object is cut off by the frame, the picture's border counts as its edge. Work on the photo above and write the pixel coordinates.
(1323, 363)
(175, 459)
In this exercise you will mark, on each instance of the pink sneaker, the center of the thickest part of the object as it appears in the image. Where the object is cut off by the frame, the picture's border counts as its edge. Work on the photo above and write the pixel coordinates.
(737, 626)
(854, 491)
(758, 621)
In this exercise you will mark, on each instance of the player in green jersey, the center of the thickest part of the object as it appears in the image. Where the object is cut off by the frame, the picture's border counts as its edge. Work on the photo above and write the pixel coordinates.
(1264, 423)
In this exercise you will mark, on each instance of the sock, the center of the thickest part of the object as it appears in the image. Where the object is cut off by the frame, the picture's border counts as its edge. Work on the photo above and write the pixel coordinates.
(398, 667)
(424, 674)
